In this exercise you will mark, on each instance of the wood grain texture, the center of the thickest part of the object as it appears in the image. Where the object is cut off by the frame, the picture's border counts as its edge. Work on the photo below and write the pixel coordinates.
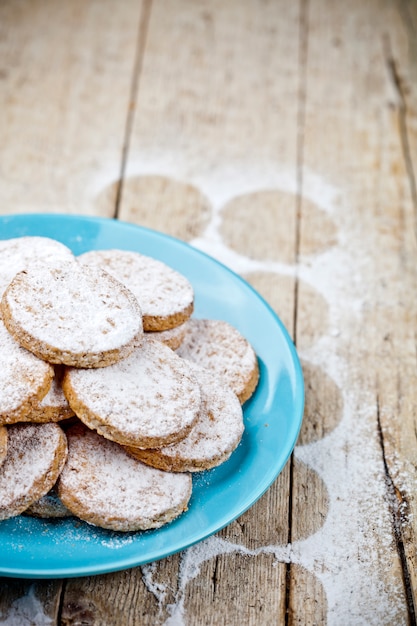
(370, 161)
(65, 76)
(195, 115)
(135, 597)
(255, 594)
(29, 602)
(208, 97)
(283, 137)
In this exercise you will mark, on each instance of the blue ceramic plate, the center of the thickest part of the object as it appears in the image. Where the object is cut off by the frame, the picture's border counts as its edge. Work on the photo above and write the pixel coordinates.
(32, 548)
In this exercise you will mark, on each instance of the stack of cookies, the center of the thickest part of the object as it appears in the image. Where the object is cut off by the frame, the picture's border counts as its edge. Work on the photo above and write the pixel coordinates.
(111, 393)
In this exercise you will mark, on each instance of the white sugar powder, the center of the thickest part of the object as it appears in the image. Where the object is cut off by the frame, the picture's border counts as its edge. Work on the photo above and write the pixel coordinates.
(22, 374)
(73, 308)
(160, 290)
(352, 553)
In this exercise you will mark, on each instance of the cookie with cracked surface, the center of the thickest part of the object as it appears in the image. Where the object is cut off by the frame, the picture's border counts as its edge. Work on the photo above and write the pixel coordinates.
(102, 485)
(166, 297)
(70, 314)
(36, 454)
(149, 399)
(24, 379)
(220, 347)
(215, 435)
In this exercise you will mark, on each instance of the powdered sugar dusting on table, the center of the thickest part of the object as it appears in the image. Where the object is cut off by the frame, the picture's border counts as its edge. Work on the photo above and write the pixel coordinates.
(349, 460)
(357, 530)
(27, 611)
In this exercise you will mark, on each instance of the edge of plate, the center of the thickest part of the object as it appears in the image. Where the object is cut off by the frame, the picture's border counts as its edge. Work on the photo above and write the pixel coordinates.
(134, 561)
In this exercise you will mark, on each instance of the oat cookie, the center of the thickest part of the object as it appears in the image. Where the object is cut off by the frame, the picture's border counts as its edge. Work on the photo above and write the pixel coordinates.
(104, 486)
(36, 454)
(166, 297)
(19, 253)
(215, 435)
(220, 347)
(71, 314)
(149, 399)
(24, 379)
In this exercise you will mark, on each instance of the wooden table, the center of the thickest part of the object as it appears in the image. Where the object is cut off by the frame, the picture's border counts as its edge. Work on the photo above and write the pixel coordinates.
(281, 138)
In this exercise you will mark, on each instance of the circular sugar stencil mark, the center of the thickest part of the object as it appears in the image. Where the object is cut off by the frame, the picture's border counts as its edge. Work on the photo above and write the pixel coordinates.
(263, 226)
(164, 204)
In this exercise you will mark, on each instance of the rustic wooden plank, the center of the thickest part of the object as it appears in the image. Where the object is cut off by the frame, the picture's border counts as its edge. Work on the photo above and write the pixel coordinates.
(254, 594)
(352, 141)
(209, 101)
(136, 597)
(29, 602)
(215, 105)
(66, 72)
(65, 79)
(237, 105)
(396, 347)
(397, 385)
(204, 131)
(159, 202)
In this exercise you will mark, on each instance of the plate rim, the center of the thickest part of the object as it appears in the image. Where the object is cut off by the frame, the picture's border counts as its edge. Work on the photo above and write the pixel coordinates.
(299, 399)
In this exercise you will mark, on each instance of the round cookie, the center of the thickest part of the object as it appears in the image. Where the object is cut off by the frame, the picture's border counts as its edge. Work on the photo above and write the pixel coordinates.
(35, 457)
(19, 253)
(214, 436)
(24, 379)
(104, 486)
(166, 297)
(71, 314)
(149, 399)
(220, 347)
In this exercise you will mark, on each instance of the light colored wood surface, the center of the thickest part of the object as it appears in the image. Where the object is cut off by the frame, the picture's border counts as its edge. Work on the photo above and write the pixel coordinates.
(66, 77)
(282, 139)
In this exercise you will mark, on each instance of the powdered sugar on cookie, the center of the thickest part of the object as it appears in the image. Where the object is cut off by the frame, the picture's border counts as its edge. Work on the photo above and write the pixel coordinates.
(54, 406)
(166, 297)
(212, 439)
(149, 399)
(22, 252)
(101, 484)
(35, 457)
(24, 379)
(66, 313)
(172, 337)
(218, 346)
